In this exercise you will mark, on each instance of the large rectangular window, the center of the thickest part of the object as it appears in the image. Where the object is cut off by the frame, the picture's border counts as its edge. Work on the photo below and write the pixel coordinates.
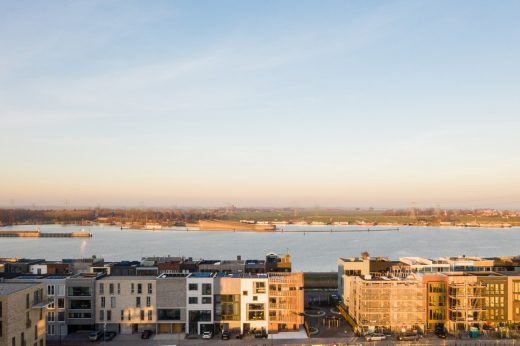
(79, 291)
(139, 288)
(169, 314)
(150, 289)
(82, 304)
(255, 312)
(193, 287)
(193, 300)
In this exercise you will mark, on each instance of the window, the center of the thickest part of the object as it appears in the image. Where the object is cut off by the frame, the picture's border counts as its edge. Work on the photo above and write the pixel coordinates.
(193, 287)
(122, 315)
(150, 315)
(50, 290)
(102, 302)
(101, 315)
(80, 304)
(61, 316)
(129, 315)
(206, 300)
(79, 291)
(148, 301)
(255, 298)
(60, 290)
(2, 328)
(27, 305)
(255, 312)
(61, 303)
(516, 291)
(150, 288)
(118, 288)
(137, 302)
(101, 288)
(244, 293)
(139, 288)
(112, 302)
(193, 300)
(51, 305)
(50, 329)
(169, 314)
(260, 287)
(109, 315)
(206, 289)
(80, 315)
(35, 331)
(50, 316)
(111, 288)
(132, 288)
(141, 315)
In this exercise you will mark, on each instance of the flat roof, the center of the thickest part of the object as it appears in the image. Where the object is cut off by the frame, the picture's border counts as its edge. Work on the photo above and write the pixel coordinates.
(7, 288)
(201, 275)
(129, 277)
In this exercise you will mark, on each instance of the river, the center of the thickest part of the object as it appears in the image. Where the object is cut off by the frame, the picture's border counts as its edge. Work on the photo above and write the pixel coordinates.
(309, 251)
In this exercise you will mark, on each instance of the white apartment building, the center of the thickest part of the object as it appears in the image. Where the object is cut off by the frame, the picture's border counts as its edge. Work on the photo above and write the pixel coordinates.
(199, 302)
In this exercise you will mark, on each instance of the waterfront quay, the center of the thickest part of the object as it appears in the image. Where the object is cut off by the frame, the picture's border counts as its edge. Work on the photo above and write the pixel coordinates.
(39, 234)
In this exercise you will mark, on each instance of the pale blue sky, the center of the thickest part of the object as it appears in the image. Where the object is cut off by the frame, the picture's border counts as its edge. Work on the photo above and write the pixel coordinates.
(301, 103)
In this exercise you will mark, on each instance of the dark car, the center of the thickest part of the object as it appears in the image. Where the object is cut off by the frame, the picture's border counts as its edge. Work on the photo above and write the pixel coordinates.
(409, 337)
(225, 335)
(260, 334)
(108, 336)
(146, 334)
(95, 335)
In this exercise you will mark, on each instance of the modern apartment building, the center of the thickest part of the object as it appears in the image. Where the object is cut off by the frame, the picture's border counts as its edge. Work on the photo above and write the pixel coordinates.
(81, 301)
(171, 303)
(126, 304)
(387, 304)
(437, 301)
(286, 301)
(199, 302)
(22, 314)
(466, 302)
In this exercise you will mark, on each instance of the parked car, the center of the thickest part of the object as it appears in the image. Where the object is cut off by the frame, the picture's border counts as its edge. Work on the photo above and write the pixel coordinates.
(225, 335)
(408, 337)
(146, 334)
(375, 337)
(207, 334)
(95, 335)
(108, 336)
(260, 334)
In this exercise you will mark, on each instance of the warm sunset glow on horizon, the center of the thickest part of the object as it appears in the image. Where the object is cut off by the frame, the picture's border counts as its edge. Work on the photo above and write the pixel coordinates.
(354, 104)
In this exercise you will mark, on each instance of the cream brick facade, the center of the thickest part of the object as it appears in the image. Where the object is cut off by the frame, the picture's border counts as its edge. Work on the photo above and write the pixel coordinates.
(22, 314)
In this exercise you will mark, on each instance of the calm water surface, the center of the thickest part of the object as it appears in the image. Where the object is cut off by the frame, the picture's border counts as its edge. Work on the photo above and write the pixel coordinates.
(309, 251)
